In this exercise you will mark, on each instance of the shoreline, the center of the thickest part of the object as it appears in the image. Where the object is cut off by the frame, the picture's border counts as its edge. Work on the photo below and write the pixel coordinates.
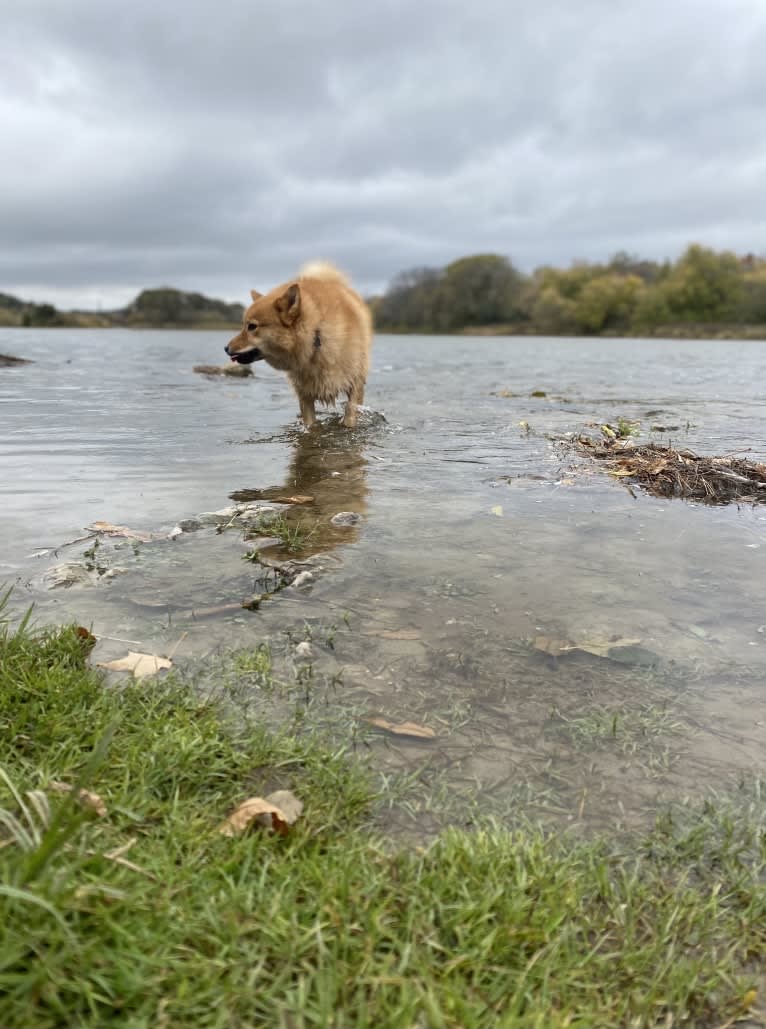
(136, 903)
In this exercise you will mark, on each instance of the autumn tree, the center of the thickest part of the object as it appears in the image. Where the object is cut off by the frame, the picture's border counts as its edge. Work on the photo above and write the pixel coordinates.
(481, 290)
(704, 286)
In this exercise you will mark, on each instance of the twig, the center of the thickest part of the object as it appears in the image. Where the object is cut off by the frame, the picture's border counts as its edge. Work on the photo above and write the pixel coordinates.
(180, 640)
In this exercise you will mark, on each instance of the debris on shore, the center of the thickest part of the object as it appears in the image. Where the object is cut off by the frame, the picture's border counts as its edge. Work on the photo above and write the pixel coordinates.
(664, 471)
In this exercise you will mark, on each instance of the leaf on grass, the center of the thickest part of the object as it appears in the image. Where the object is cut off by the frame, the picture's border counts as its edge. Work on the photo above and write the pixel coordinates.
(141, 665)
(749, 999)
(107, 529)
(90, 801)
(86, 637)
(278, 811)
(420, 732)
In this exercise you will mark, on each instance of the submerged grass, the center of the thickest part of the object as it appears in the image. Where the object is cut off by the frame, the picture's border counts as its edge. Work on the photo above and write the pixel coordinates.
(147, 917)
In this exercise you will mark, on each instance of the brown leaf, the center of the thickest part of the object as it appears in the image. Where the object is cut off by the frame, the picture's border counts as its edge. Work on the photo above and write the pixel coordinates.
(421, 732)
(141, 665)
(297, 498)
(121, 530)
(555, 648)
(86, 637)
(91, 801)
(602, 649)
(278, 811)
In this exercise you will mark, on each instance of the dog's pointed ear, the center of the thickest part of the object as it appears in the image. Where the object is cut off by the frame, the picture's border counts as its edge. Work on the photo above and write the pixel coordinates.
(288, 306)
(255, 294)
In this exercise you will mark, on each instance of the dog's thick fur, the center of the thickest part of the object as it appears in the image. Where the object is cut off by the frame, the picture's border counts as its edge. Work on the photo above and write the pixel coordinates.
(318, 330)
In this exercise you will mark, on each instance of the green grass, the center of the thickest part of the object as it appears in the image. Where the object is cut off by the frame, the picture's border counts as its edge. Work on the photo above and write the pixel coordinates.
(149, 919)
(294, 535)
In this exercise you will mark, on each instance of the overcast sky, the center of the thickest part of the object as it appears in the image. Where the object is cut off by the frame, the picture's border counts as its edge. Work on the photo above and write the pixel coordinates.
(216, 146)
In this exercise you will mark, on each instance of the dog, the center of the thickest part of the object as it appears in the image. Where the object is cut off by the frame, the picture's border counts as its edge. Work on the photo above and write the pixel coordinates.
(318, 330)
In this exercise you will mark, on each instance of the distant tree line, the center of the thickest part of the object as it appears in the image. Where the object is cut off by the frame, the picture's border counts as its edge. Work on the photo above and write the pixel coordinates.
(162, 308)
(705, 292)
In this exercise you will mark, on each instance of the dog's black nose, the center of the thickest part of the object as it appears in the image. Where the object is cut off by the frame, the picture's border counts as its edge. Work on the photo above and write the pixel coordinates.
(226, 348)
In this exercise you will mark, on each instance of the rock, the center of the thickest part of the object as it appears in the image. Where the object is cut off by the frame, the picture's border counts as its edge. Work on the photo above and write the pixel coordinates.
(303, 652)
(189, 525)
(257, 515)
(7, 361)
(239, 371)
(217, 517)
(346, 518)
(303, 579)
(112, 573)
(70, 573)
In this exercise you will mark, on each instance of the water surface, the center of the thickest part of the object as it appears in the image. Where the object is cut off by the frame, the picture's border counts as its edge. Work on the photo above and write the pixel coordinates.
(479, 533)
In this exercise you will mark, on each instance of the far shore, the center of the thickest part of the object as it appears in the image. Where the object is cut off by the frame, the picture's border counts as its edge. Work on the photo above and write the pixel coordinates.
(691, 332)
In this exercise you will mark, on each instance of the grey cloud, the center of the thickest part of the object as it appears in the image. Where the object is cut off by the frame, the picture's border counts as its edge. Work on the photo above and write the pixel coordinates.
(219, 146)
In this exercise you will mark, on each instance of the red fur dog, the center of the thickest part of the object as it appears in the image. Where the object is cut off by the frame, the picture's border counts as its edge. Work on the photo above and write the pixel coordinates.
(318, 330)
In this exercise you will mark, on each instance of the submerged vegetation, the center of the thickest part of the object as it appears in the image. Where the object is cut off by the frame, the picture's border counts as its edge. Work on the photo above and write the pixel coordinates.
(123, 903)
(705, 292)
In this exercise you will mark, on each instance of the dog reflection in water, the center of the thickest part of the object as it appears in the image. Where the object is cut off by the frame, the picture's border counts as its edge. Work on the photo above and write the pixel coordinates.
(325, 480)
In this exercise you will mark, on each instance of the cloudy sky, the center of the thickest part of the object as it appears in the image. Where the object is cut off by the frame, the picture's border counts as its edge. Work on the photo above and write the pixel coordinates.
(218, 145)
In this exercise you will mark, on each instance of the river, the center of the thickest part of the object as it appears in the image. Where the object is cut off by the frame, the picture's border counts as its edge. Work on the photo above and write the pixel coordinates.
(481, 541)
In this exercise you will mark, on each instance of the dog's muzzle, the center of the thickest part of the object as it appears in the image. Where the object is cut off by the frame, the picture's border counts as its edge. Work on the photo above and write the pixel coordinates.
(245, 356)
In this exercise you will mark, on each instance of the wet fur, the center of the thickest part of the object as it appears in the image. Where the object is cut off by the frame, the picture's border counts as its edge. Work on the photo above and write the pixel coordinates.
(318, 330)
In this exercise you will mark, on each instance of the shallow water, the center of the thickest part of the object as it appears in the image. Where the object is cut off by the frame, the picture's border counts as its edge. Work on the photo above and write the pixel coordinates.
(477, 535)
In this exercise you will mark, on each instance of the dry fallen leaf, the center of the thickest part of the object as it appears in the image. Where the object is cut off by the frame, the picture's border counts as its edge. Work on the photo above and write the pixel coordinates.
(749, 999)
(86, 637)
(602, 649)
(555, 648)
(141, 665)
(421, 732)
(91, 801)
(121, 530)
(297, 498)
(278, 811)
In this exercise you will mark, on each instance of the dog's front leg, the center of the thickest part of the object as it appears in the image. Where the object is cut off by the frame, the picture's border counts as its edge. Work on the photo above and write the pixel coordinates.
(308, 414)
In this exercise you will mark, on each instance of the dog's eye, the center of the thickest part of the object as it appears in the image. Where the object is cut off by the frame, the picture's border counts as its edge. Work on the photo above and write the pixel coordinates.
(252, 326)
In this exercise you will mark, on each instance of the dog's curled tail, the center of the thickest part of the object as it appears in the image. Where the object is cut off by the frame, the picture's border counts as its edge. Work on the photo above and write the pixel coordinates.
(324, 270)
